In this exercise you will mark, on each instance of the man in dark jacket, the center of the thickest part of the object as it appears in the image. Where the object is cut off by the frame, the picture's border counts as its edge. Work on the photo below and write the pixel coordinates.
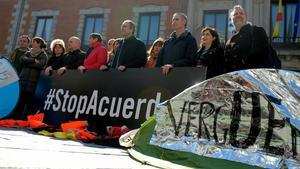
(23, 43)
(180, 49)
(75, 57)
(248, 48)
(131, 52)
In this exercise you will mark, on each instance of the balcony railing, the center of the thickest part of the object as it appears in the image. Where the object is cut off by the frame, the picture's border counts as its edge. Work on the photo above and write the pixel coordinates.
(286, 42)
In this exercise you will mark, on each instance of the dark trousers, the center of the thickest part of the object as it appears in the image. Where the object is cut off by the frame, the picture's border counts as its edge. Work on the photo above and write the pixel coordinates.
(24, 106)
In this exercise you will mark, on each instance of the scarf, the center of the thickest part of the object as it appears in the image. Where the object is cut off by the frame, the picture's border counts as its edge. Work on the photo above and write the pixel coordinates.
(34, 52)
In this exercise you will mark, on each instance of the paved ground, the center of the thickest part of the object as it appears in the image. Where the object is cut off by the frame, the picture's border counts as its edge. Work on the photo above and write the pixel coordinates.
(24, 149)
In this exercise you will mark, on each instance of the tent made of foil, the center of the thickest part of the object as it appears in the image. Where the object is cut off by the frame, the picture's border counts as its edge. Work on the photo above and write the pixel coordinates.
(249, 116)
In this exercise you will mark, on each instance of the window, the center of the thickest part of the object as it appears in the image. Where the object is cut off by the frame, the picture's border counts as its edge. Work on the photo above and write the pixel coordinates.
(286, 29)
(92, 24)
(217, 20)
(149, 27)
(43, 28)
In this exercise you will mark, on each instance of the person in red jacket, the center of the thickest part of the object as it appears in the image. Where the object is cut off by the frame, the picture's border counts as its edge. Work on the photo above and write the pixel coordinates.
(96, 59)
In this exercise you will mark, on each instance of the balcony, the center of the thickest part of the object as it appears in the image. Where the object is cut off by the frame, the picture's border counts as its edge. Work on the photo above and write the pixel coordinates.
(286, 43)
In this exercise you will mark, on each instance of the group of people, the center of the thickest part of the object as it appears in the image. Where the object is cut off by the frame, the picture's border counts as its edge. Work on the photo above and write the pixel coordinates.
(245, 49)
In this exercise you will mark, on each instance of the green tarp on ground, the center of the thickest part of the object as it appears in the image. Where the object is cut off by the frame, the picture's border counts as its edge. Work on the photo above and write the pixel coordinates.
(142, 145)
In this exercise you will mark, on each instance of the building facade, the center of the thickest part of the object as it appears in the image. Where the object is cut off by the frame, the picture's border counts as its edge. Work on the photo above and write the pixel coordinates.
(215, 13)
(61, 19)
(52, 19)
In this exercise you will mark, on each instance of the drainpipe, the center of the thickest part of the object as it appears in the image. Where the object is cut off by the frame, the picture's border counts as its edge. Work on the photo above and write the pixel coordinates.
(18, 26)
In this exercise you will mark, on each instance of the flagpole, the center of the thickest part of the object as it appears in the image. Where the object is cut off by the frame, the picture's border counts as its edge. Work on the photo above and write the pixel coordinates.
(296, 21)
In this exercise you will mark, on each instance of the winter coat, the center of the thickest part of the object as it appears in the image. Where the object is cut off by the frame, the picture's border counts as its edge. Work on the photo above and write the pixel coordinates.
(247, 49)
(96, 58)
(31, 71)
(131, 53)
(56, 62)
(213, 59)
(74, 59)
(178, 52)
(15, 58)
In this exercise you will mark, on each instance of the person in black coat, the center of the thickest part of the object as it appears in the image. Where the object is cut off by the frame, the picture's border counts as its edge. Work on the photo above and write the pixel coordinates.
(248, 48)
(210, 54)
(74, 58)
(57, 59)
(131, 52)
(179, 50)
(33, 62)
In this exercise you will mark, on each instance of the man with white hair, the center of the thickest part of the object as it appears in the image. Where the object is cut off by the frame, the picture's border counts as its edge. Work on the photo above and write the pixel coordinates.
(75, 57)
(248, 48)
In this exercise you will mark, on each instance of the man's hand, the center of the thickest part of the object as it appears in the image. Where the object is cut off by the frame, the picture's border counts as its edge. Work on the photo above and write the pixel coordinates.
(36, 61)
(200, 66)
(61, 70)
(48, 71)
(103, 67)
(82, 69)
(166, 69)
(121, 68)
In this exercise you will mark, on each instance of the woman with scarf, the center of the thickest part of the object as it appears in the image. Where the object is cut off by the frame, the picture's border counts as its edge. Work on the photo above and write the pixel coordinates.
(33, 62)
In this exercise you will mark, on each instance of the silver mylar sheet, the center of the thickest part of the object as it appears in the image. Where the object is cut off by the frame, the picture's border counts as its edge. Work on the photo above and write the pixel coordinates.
(249, 116)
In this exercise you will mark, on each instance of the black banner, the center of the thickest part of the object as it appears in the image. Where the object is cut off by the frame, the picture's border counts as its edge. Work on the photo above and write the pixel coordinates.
(110, 97)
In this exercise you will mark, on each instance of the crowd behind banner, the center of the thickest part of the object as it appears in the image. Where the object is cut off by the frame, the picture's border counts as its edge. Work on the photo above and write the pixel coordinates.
(245, 49)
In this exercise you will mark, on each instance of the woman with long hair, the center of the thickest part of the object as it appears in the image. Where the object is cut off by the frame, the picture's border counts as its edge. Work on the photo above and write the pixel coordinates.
(110, 49)
(210, 54)
(153, 53)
